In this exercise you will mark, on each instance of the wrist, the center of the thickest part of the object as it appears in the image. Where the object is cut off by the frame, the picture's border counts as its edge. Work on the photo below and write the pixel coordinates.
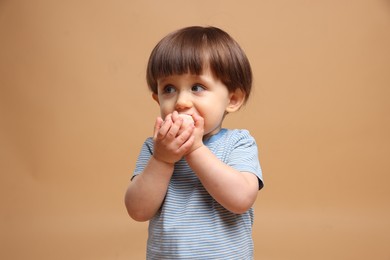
(196, 150)
(162, 162)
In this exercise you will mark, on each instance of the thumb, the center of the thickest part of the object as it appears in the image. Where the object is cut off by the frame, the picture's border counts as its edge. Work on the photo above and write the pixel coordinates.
(199, 121)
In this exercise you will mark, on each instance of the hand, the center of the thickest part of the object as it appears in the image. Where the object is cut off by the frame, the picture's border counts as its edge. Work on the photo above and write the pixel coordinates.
(197, 133)
(169, 145)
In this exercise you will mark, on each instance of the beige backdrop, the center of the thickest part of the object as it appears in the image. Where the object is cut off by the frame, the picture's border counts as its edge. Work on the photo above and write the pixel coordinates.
(75, 109)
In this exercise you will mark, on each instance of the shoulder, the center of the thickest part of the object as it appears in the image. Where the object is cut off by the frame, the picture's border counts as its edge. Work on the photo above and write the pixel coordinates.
(149, 141)
(240, 136)
(147, 145)
(231, 139)
(242, 133)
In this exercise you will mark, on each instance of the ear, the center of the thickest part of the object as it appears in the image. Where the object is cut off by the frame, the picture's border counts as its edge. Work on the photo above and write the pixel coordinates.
(155, 97)
(237, 98)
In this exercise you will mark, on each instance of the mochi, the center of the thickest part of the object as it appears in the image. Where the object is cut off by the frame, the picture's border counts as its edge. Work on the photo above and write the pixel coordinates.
(187, 120)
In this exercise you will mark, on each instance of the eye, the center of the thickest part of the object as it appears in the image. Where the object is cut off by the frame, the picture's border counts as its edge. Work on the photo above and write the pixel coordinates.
(197, 88)
(169, 89)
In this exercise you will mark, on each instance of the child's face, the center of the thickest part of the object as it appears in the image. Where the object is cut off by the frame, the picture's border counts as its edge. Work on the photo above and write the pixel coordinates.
(202, 94)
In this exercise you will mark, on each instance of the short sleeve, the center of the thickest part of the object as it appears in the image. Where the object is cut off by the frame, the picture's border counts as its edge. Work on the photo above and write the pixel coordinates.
(244, 155)
(143, 157)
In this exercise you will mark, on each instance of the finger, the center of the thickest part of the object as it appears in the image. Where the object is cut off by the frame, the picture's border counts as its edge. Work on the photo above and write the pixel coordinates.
(185, 134)
(157, 126)
(198, 120)
(177, 123)
(165, 127)
(186, 146)
(175, 115)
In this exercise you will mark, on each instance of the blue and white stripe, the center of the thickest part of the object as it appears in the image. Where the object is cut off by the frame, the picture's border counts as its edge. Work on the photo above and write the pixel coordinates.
(191, 224)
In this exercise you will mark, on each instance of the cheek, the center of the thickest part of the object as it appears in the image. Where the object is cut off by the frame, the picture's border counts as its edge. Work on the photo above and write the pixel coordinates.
(163, 112)
(212, 114)
(166, 108)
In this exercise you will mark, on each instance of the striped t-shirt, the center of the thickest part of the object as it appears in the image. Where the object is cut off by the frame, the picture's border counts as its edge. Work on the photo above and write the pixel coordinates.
(190, 224)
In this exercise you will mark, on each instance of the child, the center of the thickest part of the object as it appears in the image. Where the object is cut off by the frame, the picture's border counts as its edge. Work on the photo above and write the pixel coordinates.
(195, 181)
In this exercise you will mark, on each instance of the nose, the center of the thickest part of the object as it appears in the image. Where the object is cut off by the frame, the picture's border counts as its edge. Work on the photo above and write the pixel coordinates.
(183, 101)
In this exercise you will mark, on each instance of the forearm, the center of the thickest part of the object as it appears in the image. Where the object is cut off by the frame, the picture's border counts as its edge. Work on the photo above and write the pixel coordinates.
(146, 192)
(234, 190)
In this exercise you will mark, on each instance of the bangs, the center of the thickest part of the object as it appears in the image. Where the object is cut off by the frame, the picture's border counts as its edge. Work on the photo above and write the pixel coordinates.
(175, 56)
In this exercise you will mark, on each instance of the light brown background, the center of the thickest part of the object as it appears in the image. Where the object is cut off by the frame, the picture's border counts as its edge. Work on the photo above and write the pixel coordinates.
(74, 111)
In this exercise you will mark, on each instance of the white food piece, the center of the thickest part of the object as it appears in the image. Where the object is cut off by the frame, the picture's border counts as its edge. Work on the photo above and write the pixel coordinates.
(187, 119)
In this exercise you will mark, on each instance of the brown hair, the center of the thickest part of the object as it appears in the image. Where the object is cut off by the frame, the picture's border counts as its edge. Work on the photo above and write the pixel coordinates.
(191, 49)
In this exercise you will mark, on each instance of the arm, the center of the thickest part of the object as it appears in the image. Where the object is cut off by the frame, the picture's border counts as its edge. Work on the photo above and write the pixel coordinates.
(146, 192)
(236, 191)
